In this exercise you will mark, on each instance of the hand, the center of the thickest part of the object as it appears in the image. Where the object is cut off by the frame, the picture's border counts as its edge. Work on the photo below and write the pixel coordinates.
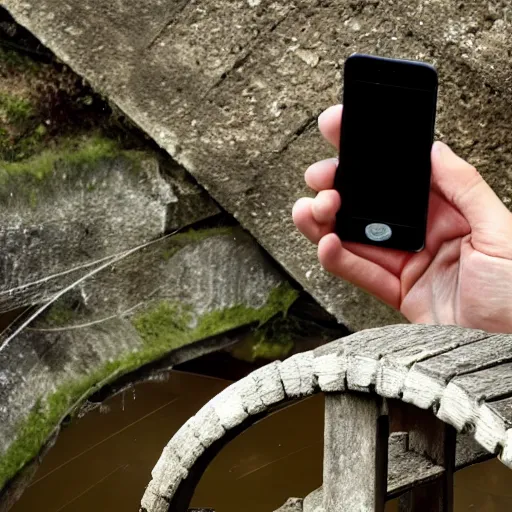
(464, 274)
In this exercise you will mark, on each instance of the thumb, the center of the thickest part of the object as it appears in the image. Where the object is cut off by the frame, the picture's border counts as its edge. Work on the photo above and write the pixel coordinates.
(462, 185)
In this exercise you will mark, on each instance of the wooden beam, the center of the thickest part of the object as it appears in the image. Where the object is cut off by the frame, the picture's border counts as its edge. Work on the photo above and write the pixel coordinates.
(434, 439)
(355, 453)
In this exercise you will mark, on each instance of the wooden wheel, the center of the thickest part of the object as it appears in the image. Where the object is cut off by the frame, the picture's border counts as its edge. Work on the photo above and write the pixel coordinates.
(426, 382)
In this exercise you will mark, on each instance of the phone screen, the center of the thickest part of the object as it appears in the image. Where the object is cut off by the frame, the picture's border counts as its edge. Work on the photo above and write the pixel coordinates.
(385, 159)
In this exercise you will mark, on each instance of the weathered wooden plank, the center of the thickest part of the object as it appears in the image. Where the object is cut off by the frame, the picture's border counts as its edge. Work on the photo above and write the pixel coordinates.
(436, 441)
(269, 385)
(405, 470)
(395, 366)
(504, 409)
(489, 384)
(297, 375)
(168, 474)
(469, 452)
(408, 468)
(426, 380)
(152, 501)
(377, 357)
(496, 349)
(229, 407)
(462, 402)
(356, 437)
(292, 505)
(369, 364)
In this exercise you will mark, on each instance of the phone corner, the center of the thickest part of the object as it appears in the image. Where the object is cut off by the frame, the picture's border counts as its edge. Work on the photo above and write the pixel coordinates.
(432, 71)
(419, 249)
(355, 58)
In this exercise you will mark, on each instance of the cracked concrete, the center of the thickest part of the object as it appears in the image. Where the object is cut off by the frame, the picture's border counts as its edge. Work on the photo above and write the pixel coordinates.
(229, 89)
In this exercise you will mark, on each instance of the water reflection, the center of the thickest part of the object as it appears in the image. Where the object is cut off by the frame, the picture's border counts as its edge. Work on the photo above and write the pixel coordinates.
(103, 461)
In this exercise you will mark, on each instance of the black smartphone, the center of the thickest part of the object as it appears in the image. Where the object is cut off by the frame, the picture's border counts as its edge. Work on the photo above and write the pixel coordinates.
(383, 176)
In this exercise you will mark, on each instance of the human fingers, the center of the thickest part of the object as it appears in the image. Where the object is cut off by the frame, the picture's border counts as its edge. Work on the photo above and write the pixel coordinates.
(316, 217)
(325, 205)
(320, 175)
(329, 123)
(464, 187)
(305, 222)
(445, 223)
(392, 260)
(366, 274)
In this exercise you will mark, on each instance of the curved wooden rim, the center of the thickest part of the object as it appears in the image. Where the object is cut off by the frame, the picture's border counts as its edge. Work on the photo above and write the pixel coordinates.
(385, 361)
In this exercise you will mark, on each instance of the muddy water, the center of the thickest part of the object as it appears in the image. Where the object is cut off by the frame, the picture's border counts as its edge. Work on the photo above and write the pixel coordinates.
(102, 462)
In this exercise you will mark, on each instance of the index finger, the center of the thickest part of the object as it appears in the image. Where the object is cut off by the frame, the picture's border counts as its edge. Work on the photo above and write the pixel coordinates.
(329, 122)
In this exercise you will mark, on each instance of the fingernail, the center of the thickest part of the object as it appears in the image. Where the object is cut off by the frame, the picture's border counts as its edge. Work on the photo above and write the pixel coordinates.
(320, 117)
(437, 147)
(325, 112)
(440, 148)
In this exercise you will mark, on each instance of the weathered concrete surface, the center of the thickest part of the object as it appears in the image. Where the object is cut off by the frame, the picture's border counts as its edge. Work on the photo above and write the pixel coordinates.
(232, 90)
(87, 204)
(77, 185)
(92, 202)
(173, 293)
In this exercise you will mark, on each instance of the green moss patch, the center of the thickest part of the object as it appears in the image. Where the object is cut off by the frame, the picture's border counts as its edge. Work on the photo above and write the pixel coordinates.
(19, 129)
(272, 341)
(180, 240)
(42, 103)
(49, 117)
(14, 62)
(78, 152)
(163, 327)
(46, 173)
(15, 109)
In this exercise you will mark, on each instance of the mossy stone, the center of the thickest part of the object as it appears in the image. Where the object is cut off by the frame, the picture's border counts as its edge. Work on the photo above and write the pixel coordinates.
(162, 327)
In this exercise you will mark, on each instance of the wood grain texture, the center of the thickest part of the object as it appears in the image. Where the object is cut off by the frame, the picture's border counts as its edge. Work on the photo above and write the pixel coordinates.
(405, 469)
(436, 441)
(469, 400)
(292, 505)
(504, 409)
(419, 354)
(354, 438)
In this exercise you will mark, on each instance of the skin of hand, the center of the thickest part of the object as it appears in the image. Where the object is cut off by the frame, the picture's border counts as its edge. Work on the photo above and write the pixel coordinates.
(464, 274)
